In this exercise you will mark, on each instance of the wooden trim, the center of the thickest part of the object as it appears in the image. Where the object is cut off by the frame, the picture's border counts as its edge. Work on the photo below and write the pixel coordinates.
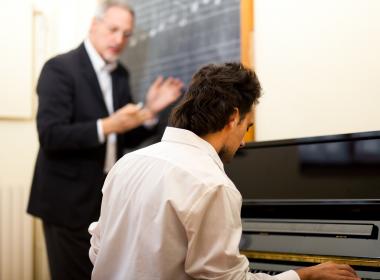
(255, 255)
(246, 45)
(246, 28)
(15, 119)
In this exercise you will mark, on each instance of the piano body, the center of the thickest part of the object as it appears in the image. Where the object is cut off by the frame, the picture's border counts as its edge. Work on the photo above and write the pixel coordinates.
(311, 200)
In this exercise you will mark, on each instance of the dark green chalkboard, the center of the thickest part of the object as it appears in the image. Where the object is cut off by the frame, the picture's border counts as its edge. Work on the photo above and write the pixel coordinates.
(175, 38)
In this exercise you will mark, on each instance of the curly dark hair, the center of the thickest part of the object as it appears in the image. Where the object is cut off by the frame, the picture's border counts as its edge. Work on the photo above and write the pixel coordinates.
(214, 93)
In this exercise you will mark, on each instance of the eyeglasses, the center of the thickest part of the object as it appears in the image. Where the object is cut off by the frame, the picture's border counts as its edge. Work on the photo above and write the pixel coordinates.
(114, 30)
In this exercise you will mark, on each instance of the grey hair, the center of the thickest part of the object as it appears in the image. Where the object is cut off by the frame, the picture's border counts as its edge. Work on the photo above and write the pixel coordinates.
(103, 6)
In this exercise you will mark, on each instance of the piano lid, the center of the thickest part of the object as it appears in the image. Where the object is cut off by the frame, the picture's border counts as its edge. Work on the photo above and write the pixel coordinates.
(338, 167)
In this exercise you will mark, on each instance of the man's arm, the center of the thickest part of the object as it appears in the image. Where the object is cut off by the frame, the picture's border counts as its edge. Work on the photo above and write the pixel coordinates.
(161, 94)
(213, 228)
(214, 232)
(328, 271)
(55, 115)
(56, 119)
(94, 231)
(125, 119)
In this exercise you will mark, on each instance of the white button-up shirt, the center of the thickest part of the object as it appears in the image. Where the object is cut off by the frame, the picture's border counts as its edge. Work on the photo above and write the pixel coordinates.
(103, 73)
(169, 211)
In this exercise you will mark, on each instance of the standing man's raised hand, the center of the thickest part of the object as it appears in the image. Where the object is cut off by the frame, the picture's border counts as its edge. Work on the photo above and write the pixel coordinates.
(162, 93)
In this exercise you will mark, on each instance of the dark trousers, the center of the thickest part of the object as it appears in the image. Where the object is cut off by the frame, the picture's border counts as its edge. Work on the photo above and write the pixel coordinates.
(67, 251)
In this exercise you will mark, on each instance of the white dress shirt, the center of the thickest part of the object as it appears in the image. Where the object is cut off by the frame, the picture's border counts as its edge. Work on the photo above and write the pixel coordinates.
(103, 73)
(169, 211)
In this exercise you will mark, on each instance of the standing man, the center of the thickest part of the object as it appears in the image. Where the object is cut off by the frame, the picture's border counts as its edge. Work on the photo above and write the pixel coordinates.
(169, 211)
(86, 117)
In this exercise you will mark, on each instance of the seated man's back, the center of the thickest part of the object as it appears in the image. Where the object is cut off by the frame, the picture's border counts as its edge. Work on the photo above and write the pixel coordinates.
(164, 208)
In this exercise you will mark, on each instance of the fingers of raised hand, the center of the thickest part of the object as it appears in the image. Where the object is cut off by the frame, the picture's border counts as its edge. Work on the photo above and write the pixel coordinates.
(158, 81)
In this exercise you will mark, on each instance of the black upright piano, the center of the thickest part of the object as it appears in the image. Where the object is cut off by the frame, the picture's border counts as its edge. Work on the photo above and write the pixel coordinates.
(310, 200)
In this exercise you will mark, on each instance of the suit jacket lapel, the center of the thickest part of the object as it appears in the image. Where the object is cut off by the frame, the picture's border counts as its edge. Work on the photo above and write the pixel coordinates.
(90, 75)
(116, 89)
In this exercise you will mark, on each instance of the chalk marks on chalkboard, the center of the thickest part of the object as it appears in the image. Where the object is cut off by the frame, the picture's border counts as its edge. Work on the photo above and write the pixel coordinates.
(183, 64)
(176, 37)
(175, 14)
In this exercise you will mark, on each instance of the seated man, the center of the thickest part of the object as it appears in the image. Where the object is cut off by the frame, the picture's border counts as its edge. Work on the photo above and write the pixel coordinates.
(169, 211)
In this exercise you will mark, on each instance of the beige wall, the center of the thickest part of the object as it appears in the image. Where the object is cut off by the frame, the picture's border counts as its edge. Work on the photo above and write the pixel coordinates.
(18, 140)
(319, 65)
(32, 31)
(15, 97)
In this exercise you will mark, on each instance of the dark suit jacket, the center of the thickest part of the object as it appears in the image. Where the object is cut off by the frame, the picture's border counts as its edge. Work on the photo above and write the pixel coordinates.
(68, 177)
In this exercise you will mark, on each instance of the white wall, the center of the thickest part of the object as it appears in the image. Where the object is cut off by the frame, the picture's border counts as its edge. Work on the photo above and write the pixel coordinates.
(58, 27)
(319, 64)
(16, 60)
(65, 23)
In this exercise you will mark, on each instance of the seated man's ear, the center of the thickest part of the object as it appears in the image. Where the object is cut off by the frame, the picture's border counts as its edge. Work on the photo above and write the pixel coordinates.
(234, 118)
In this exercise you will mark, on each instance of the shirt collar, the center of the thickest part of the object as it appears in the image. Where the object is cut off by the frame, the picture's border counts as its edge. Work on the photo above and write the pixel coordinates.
(96, 60)
(188, 137)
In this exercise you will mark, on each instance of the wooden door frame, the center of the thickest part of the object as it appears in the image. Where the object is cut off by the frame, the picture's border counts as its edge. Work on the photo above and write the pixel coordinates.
(246, 45)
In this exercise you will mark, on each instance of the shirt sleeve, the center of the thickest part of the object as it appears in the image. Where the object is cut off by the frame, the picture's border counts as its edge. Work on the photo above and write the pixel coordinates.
(288, 275)
(94, 231)
(213, 229)
(149, 124)
(100, 131)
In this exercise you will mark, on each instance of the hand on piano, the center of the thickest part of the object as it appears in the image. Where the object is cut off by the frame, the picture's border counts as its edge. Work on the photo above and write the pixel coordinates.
(328, 271)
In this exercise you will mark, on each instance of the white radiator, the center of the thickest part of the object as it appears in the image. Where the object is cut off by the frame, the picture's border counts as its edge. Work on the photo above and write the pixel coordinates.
(16, 234)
